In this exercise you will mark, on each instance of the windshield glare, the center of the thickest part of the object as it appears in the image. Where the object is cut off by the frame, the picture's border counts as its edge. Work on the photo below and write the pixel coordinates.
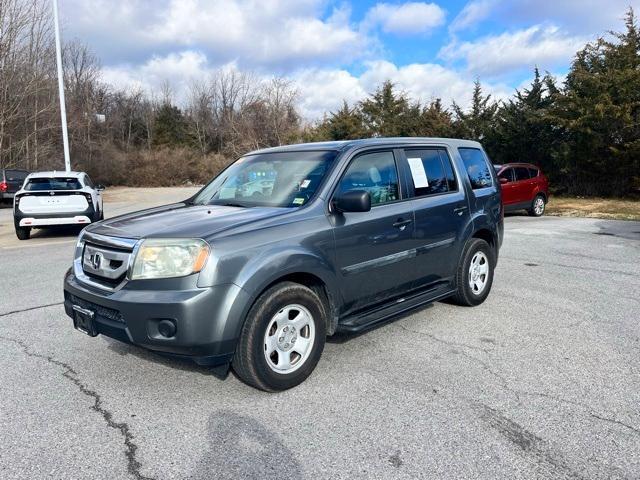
(284, 179)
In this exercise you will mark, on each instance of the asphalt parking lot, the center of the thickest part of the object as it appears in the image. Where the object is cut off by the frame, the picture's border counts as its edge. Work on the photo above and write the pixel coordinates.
(541, 381)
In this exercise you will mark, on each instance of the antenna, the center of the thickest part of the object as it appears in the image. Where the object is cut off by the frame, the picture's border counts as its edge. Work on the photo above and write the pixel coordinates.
(63, 109)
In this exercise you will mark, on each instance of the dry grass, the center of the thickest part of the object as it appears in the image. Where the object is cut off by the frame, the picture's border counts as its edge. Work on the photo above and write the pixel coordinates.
(608, 208)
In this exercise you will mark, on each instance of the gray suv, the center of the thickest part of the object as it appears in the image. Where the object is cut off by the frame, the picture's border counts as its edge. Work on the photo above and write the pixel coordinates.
(289, 245)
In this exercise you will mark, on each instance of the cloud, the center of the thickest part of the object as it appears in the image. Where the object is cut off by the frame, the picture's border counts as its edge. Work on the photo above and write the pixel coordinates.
(178, 70)
(472, 14)
(544, 46)
(591, 17)
(260, 34)
(405, 19)
(324, 90)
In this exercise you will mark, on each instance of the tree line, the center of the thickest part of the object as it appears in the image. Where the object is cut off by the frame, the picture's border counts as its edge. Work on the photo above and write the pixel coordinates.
(584, 133)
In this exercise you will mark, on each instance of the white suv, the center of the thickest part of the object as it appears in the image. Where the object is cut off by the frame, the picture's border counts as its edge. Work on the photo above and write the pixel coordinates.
(56, 198)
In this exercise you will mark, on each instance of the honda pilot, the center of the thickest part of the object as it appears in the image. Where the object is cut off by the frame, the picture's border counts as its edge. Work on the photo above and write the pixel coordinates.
(289, 245)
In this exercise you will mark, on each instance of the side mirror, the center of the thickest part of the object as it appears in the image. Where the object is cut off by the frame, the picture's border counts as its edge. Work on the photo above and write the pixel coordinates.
(100, 188)
(503, 180)
(353, 201)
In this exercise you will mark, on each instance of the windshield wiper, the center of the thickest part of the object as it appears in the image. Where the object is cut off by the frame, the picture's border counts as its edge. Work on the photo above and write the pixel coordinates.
(231, 204)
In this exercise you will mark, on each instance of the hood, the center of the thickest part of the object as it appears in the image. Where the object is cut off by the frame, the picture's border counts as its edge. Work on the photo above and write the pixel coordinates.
(182, 220)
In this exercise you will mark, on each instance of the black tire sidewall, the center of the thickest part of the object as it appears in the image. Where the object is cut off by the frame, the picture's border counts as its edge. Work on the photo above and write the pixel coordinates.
(475, 245)
(260, 316)
(23, 233)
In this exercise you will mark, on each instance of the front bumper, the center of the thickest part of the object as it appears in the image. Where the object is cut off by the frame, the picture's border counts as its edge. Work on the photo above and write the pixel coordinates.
(207, 320)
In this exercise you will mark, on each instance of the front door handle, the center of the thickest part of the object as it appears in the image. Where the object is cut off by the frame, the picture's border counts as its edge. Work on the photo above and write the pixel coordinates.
(402, 224)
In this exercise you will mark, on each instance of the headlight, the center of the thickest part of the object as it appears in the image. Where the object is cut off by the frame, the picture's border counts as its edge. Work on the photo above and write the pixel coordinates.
(167, 257)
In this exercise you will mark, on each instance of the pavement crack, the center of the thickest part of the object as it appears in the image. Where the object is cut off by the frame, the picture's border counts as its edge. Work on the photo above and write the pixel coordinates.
(485, 366)
(133, 465)
(440, 340)
(617, 422)
(588, 408)
(6, 314)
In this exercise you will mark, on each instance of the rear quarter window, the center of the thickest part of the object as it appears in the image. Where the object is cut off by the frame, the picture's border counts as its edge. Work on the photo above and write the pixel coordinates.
(477, 167)
(533, 172)
(58, 183)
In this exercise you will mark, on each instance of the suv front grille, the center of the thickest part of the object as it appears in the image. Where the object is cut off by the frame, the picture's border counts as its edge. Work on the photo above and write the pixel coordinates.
(103, 261)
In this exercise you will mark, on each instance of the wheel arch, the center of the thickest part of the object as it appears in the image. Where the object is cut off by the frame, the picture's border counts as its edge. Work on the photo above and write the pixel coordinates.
(302, 268)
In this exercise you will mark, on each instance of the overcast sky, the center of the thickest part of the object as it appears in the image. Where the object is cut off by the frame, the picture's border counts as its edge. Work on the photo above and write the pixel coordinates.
(337, 50)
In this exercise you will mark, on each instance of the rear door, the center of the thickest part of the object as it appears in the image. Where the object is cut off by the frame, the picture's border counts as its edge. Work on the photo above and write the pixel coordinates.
(373, 248)
(441, 213)
(522, 185)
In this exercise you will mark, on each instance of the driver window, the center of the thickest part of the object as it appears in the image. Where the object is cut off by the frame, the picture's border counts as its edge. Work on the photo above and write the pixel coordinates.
(374, 173)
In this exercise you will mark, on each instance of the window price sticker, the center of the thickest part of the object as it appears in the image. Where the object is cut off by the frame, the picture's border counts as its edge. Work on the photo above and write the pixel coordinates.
(418, 173)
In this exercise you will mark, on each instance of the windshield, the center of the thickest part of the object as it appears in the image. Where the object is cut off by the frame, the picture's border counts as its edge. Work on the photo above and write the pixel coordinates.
(283, 179)
(61, 183)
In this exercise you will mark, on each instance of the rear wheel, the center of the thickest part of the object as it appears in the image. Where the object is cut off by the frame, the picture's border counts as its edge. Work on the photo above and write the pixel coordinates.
(23, 233)
(475, 273)
(282, 338)
(538, 206)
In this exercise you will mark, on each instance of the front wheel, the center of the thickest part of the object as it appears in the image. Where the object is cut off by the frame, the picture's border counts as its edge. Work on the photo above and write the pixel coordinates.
(474, 276)
(282, 338)
(538, 206)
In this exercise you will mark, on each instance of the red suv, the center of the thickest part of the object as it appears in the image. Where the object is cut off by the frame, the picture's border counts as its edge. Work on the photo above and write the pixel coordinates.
(524, 187)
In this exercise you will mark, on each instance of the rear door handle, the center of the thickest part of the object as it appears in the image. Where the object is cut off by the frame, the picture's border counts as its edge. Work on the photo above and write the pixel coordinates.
(459, 210)
(402, 224)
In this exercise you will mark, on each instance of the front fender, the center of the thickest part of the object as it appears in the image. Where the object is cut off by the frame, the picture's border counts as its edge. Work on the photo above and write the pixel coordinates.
(267, 268)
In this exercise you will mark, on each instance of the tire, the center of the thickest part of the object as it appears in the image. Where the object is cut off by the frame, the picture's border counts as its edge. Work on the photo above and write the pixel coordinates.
(264, 330)
(476, 250)
(538, 206)
(23, 233)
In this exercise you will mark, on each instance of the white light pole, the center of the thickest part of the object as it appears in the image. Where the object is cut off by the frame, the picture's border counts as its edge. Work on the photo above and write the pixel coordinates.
(63, 109)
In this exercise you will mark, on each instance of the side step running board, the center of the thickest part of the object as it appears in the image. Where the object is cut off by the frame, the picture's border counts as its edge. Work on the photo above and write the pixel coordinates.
(368, 320)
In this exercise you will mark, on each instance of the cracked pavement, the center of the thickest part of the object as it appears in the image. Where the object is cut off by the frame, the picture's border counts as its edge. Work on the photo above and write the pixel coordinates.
(541, 381)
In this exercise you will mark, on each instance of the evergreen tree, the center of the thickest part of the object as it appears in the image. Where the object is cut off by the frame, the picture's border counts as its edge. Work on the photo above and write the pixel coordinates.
(170, 127)
(435, 121)
(523, 132)
(345, 124)
(478, 122)
(389, 114)
(598, 113)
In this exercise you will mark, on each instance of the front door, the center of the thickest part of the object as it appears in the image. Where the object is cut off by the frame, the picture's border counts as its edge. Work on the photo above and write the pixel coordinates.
(373, 249)
(509, 190)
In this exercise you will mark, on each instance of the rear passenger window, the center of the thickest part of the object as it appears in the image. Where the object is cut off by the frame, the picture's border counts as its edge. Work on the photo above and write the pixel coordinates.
(438, 174)
(522, 173)
(533, 172)
(374, 173)
(477, 167)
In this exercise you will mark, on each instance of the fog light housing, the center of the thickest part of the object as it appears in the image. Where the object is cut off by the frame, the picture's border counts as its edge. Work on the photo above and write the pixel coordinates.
(167, 328)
